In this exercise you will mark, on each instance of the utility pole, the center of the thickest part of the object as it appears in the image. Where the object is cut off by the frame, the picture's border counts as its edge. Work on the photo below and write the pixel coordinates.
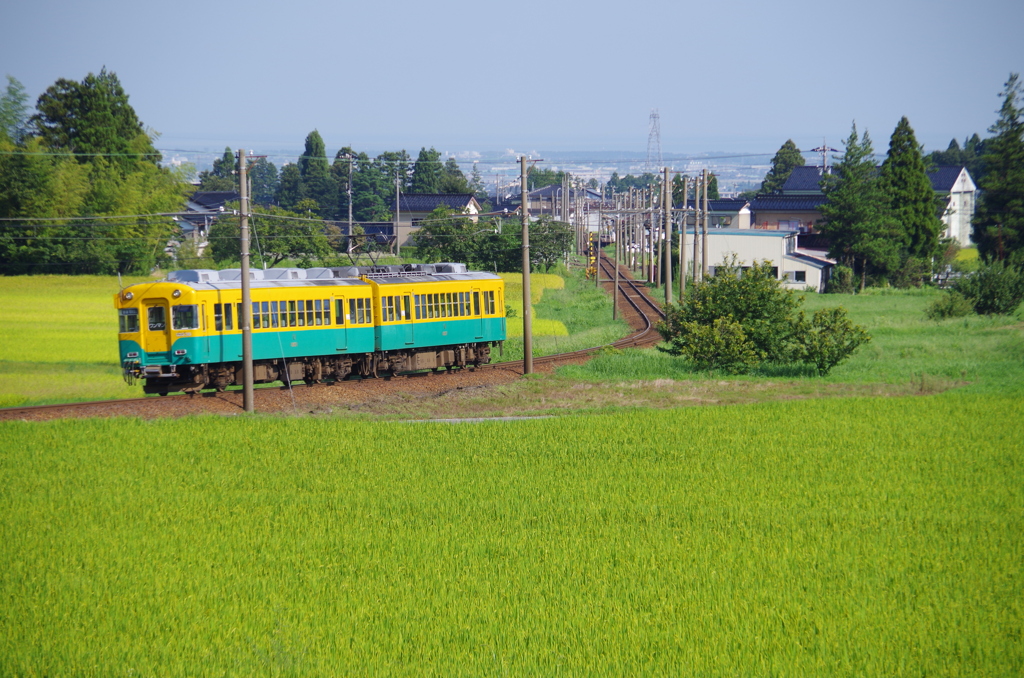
(666, 206)
(696, 230)
(350, 196)
(527, 312)
(682, 249)
(618, 248)
(398, 210)
(704, 232)
(246, 318)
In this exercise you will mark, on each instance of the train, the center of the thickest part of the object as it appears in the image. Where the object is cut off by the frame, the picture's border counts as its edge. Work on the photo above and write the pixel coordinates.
(308, 325)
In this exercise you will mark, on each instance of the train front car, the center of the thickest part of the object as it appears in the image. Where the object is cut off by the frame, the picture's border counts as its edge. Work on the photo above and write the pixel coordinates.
(162, 336)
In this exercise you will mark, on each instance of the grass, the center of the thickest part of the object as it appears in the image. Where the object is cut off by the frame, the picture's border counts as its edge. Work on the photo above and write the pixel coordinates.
(981, 354)
(56, 327)
(847, 537)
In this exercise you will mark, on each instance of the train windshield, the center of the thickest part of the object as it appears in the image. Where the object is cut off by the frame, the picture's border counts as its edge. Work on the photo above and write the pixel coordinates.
(185, 317)
(128, 320)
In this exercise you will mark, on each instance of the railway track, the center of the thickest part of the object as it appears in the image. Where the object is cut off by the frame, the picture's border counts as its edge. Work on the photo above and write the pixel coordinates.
(646, 311)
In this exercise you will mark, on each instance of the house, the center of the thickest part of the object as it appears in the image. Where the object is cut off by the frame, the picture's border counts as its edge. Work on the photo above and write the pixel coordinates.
(797, 268)
(723, 213)
(201, 210)
(413, 208)
(957, 192)
(798, 204)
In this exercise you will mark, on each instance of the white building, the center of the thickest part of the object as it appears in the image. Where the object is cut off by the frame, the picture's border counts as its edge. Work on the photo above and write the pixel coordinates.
(798, 269)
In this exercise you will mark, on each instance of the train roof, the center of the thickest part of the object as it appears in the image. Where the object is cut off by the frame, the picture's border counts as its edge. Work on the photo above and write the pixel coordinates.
(230, 279)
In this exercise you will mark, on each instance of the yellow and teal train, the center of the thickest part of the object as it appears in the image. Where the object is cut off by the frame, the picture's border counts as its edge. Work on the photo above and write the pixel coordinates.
(311, 325)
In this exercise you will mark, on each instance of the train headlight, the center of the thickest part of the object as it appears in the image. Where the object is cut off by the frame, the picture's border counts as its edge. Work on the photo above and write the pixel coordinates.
(128, 296)
(176, 293)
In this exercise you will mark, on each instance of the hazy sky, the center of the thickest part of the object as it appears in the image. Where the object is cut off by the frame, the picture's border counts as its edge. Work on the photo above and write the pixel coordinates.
(741, 75)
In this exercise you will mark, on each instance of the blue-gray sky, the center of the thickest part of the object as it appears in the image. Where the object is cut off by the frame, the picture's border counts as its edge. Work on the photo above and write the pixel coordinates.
(740, 75)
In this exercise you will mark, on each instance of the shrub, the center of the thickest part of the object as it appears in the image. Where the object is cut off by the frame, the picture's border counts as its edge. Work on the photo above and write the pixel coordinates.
(913, 273)
(830, 338)
(949, 305)
(841, 281)
(995, 288)
(721, 345)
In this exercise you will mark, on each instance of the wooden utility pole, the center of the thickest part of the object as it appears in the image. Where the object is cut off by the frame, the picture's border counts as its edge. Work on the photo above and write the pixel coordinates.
(527, 313)
(245, 319)
(666, 250)
(618, 248)
(696, 230)
(704, 232)
(682, 249)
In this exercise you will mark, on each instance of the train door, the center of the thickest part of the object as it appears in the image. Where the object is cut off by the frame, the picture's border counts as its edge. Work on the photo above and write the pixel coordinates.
(405, 309)
(478, 325)
(341, 322)
(156, 334)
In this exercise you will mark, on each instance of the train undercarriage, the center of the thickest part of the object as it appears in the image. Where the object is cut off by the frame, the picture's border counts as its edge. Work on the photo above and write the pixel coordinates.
(164, 379)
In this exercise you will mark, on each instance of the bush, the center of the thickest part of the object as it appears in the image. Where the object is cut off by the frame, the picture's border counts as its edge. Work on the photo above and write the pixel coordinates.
(995, 288)
(830, 338)
(949, 305)
(913, 273)
(736, 320)
(841, 281)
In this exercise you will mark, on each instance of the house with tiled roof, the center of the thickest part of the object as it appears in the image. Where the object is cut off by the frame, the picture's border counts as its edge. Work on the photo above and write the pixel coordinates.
(722, 212)
(413, 208)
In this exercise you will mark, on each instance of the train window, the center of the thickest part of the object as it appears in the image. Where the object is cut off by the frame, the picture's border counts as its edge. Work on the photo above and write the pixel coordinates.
(128, 320)
(388, 308)
(476, 303)
(309, 313)
(319, 311)
(266, 314)
(462, 304)
(327, 311)
(255, 315)
(302, 313)
(489, 302)
(228, 320)
(185, 317)
(157, 318)
(291, 314)
(218, 317)
(273, 314)
(339, 311)
(406, 315)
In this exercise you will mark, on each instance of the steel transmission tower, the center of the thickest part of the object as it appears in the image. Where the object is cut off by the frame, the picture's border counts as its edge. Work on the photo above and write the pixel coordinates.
(654, 161)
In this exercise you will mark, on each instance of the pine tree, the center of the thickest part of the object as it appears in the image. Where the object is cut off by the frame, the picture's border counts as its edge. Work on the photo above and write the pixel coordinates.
(855, 218)
(786, 158)
(999, 220)
(14, 111)
(317, 183)
(909, 193)
(426, 176)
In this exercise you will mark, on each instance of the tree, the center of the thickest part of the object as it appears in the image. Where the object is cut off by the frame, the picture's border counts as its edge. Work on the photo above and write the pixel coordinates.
(999, 219)
(995, 288)
(275, 235)
(93, 117)
(369, 186)
(737, 320)
(223, 176)
(396, 166)
(539, 177)
(264, 180)
(317, 183)
(426, 176)
(855, 219)
(476, 184)
(909, 193)
(14, 111)
(289, 189)
(452, 178)
(786, 158)
(713, 187)
(446, 236)
(549, 241)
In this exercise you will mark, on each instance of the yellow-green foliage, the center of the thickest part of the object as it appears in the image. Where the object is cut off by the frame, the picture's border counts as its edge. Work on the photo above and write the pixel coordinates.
(514, 298)
(967, 254)
(58, 339)
(870, 537)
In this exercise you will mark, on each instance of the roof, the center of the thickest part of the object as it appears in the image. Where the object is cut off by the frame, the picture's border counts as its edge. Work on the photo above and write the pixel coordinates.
(428, 202)
(804, 179)
(749, 232)
(721, 204)
(944, 177)
(810, 260)
(212, 200)
(788, 203)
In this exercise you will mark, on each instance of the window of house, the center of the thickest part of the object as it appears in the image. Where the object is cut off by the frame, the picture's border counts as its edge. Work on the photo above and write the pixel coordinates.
(800, 276)
(128, 320)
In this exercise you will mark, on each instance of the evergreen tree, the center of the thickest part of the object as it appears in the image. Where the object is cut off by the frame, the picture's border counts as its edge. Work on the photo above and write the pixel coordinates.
(855, 219)
(909, 193)
(93, 117)
(369, 188)
(289, 189)
(426, 176)
(452, 178)
(317, 183)
(223, 176)
(786, 158)
(342, 170)
(713, 187)
(476, 183)
(397, 166)
(999, 219)
(264, 181)
(14, 111)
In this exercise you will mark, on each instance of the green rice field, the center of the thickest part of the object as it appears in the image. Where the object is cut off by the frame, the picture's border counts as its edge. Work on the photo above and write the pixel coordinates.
(835, 537)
